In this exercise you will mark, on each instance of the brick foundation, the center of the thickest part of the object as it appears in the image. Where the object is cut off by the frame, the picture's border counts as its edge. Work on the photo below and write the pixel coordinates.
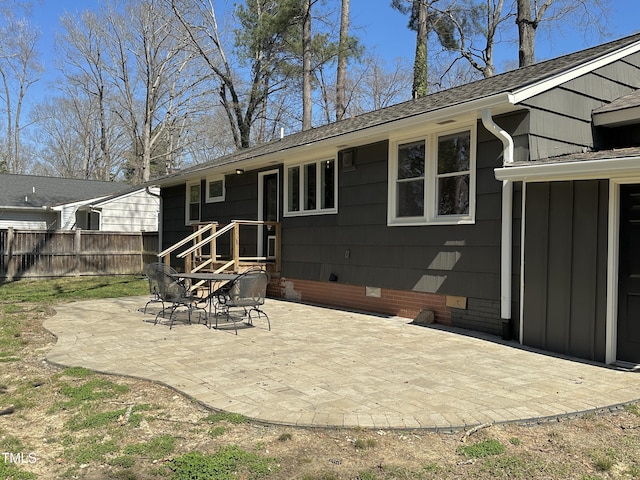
(402, 303)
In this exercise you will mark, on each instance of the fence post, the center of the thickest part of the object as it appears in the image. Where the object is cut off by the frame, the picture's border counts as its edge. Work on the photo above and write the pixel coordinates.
(78, 250)
(11, 268)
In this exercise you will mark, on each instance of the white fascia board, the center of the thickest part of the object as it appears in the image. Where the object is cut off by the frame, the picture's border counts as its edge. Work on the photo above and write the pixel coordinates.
(543, 85)
(578, 170)
(617, 117)
(23, 209)
(498, 103)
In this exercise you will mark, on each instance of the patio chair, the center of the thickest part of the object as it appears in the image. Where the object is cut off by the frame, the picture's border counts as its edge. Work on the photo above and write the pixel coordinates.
(150, 271)
(172, 290)
(247, 292)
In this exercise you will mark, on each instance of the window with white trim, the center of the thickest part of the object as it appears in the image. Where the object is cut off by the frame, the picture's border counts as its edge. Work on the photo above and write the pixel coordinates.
(432, 179)
(215, 190)
(311, 188)
(192, 214)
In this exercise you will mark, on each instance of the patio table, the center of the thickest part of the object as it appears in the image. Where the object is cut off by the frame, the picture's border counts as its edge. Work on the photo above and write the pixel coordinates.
(214, 281)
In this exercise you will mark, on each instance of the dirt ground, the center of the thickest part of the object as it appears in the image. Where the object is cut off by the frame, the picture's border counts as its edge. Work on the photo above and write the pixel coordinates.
(45, 434)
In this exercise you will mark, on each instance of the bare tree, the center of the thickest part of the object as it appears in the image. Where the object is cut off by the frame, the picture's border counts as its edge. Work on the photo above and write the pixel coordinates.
(140, 79)
(263, 45)
(373, 85)
(585, 15)
(307, 109)
(19, 70)
(85, 67)
(343, 56)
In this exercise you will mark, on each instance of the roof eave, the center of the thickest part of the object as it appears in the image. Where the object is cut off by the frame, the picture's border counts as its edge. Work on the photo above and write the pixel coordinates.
(576, 170)
(541, 86)
(499, 103)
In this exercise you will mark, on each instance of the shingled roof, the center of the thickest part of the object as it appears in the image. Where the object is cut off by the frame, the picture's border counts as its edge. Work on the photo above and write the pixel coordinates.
(499, 84)
(36, 191)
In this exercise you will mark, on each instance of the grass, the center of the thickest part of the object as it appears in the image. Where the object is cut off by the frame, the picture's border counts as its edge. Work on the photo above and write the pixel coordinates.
(234, 418)
(481, 449)
(227, 463)
(155, 449)
(72, 288)
(86, 436)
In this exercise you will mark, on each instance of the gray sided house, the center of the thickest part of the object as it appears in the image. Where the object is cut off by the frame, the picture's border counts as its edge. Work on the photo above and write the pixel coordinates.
(30, 202)
(508, 204)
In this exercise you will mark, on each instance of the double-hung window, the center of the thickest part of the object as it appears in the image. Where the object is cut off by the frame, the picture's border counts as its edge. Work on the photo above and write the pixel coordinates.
(432, 179)
(311, 188)
(193, 203)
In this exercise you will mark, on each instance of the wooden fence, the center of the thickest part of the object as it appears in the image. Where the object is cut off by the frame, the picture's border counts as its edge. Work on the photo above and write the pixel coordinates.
(45, 253)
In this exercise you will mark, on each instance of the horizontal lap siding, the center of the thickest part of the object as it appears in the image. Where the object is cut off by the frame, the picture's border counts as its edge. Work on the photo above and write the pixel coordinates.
(358, 247)
(561, 118)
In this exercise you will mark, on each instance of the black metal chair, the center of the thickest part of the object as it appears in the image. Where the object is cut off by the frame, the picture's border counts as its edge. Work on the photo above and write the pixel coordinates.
(247, 292)
(172, 290)
(150, 271)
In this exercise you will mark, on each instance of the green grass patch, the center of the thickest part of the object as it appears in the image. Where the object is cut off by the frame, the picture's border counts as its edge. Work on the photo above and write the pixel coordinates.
(217, 431)
(95, 420)
(76, 372)
(124, 461)
(73, 288)
(228, 463)
(85, 420)
(94, 389)
(155, 449)
(481, 449)
(12, 471)
(633, 409)
(285, 437)
(91, 449)
(604, 460)
(234, 418)
(363, 444)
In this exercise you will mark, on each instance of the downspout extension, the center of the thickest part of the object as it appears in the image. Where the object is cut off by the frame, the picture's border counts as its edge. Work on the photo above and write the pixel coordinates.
(506, 244)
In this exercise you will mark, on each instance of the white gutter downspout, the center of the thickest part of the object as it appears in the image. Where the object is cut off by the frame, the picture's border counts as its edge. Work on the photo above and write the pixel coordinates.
(507, 223)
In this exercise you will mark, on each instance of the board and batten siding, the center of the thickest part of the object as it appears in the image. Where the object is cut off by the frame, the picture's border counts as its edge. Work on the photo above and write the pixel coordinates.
(564, 305)
(560, 119)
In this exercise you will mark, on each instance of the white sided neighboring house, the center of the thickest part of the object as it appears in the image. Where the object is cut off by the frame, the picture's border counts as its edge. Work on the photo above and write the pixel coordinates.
(29, 202)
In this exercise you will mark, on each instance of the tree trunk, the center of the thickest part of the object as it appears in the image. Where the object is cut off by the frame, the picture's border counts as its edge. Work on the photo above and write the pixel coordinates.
(342, 61)
(306, 67)
(420, 67)
(526, 33)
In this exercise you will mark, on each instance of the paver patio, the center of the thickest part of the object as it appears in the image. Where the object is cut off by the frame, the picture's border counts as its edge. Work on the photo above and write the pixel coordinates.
(326, 367)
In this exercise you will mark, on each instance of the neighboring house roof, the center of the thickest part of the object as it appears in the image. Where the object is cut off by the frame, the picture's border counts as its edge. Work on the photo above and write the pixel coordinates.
(501, 90)
(32, 191)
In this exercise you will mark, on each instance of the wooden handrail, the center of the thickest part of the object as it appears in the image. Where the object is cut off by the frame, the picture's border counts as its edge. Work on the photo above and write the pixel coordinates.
(200, 244)
(195, 234)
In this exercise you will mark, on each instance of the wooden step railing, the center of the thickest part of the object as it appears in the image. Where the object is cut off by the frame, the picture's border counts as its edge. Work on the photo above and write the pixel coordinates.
(195, 260)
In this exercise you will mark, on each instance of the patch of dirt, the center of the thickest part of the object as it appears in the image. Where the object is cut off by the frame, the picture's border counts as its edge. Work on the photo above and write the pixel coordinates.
(603, 445)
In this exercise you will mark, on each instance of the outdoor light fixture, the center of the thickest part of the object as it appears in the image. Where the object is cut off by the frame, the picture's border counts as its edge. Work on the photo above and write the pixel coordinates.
(239, 171)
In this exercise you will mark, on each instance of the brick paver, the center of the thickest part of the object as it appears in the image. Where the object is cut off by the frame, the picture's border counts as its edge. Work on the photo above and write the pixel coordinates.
(325, 367)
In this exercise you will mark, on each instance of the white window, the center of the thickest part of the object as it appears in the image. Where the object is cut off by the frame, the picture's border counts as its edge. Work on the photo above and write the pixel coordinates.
(192, 214)
(432, 179)
(311, 188)
(215, 189)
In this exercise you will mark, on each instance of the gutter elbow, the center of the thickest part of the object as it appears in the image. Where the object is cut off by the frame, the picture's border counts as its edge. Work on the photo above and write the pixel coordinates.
(505, 138)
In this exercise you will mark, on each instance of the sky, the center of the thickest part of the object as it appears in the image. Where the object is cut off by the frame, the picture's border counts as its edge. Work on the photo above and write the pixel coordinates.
(380, 29)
